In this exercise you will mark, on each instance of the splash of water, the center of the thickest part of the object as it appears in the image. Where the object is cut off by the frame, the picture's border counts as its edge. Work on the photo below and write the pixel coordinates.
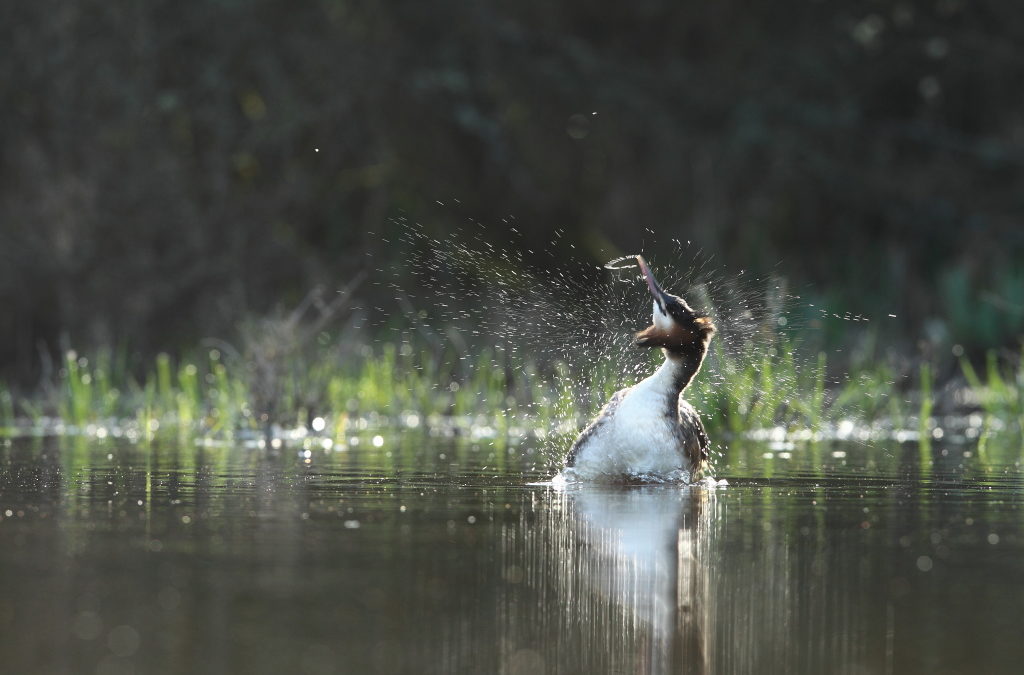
(577, 320)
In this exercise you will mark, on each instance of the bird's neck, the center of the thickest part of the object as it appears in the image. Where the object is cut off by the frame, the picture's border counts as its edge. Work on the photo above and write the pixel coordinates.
(680, 367)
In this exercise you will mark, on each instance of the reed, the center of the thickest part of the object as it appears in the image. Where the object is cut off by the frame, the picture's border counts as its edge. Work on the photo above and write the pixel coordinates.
(999, 392)
(924, 430)
(437, 384)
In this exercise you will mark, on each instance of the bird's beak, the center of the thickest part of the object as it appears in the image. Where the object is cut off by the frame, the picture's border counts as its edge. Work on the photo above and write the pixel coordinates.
(652, 283)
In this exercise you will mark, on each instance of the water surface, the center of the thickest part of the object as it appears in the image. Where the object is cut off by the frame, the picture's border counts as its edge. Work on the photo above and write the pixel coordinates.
(430, 556)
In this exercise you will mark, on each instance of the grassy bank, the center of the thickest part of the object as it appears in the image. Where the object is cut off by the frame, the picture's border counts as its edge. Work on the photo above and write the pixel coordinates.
(219, 393)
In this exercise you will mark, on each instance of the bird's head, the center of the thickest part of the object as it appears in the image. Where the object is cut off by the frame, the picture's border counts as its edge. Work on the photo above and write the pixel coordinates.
(675, 325)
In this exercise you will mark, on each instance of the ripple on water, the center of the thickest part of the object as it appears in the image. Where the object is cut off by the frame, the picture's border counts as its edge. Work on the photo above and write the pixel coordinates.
(887, 558)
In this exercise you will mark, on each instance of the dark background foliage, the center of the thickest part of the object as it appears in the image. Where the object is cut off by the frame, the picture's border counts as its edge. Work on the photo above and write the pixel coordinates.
(169, 169)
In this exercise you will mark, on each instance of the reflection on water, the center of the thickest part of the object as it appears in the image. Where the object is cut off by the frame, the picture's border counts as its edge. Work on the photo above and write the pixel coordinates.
(414, 558)
(626, 566)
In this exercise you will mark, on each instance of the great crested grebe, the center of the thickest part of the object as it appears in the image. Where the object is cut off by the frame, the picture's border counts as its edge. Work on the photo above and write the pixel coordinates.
(649, 430)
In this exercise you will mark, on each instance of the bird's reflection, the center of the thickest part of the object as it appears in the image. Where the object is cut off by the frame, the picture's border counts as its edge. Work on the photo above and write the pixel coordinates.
(626, 565)
(640, 550)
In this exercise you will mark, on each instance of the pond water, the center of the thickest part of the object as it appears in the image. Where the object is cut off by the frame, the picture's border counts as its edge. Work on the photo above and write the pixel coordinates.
(431, 556)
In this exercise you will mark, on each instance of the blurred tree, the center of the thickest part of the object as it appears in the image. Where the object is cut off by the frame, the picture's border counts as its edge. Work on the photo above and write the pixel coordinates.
(168, 169)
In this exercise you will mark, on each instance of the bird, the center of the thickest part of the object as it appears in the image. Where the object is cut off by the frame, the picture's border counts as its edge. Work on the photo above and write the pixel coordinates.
(649, 431)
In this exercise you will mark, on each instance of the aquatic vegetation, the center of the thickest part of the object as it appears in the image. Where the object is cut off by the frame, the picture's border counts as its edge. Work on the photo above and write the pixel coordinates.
(999, 392)
(409, 384)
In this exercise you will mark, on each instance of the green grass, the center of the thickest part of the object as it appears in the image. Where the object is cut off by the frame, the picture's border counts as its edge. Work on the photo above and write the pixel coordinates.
(924, 429)
(221, 395)
(766, 389)
(1000, 391)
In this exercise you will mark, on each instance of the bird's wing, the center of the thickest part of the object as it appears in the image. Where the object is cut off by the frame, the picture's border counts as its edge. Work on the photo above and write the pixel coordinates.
(606, 412)
(696, 443)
